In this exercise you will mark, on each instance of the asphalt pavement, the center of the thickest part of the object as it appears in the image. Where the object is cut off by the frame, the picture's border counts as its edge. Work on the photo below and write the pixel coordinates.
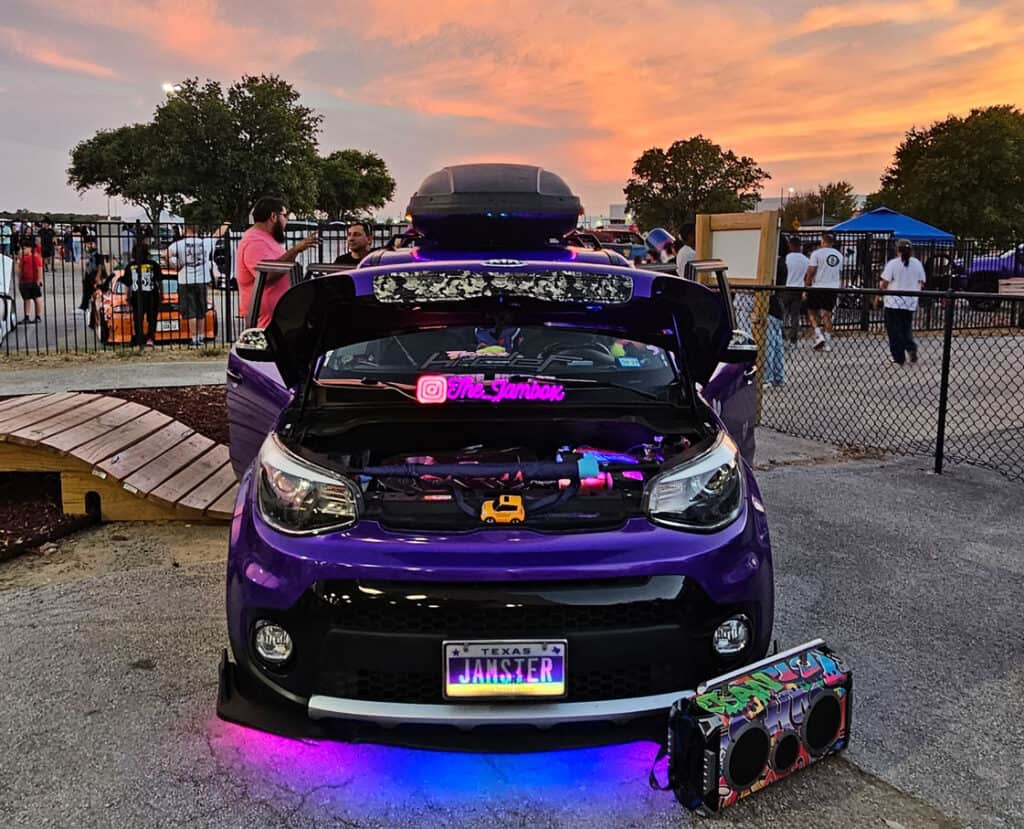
(111, 642)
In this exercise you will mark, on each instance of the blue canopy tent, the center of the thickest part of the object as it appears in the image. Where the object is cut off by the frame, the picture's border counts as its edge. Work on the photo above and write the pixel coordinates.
(884, 220)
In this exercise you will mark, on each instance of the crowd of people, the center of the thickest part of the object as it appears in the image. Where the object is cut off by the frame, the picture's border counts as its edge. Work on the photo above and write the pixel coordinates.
(810, 275)
(813, 278)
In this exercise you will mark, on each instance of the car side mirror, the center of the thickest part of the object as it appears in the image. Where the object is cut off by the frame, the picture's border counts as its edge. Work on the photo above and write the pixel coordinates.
(742, 348)
(252, 345)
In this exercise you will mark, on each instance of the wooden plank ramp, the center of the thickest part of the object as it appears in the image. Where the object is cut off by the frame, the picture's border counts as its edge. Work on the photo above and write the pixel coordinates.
(141, 463)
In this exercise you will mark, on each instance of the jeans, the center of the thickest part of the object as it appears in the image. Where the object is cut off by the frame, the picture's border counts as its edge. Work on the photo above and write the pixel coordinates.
(774, 355)
(901, 339)
(791, 312)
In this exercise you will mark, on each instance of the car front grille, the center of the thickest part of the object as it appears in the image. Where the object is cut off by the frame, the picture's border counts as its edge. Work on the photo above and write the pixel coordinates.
(588, 684)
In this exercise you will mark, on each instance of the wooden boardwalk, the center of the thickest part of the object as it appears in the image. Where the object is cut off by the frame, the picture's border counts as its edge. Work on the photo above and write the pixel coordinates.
(142, 464)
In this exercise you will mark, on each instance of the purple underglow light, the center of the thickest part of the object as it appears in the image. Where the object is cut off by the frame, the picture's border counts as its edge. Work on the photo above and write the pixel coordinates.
(441, 388)
(373, 781)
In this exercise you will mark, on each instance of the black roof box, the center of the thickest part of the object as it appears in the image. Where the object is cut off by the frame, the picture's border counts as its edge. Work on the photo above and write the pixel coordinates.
(493, 204)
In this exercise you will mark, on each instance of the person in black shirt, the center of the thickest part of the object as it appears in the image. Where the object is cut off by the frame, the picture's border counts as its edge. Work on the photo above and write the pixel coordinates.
(360, 236)
(47, 239)
(143, 277)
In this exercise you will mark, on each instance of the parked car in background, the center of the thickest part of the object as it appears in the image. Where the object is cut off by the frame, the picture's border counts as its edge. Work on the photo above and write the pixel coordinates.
(982, 274)
(622, 240)
(114, 323)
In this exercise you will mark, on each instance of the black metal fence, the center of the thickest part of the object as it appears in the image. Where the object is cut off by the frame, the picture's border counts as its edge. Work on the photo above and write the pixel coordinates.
(84, 305)
(962, 264)
(961, 400)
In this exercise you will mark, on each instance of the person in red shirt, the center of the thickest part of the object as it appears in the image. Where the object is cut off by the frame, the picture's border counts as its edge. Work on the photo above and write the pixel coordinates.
(263, 241)
(30, 280)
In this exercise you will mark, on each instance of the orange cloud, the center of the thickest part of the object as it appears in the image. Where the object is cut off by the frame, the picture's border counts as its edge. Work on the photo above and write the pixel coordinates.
(198, 32)
(843, 15)
(25, 44)
(823, 91)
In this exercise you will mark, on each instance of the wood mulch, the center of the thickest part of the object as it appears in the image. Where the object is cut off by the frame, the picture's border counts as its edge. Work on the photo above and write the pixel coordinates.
(203, 408)
(30, 506)
(30, 512)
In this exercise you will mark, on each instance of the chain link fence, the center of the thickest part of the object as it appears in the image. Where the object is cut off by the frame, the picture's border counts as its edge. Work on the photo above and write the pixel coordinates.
(85, 306)
(961, 401)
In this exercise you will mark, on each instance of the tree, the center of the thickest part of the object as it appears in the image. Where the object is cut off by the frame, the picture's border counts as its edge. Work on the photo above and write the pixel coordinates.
(669, 188)
(228, 149)
(125, 163)
(350, 182)
(835, 199)
(964, 175)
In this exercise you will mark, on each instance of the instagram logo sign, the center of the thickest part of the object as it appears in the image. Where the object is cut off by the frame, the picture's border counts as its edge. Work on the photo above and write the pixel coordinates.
(432, 388)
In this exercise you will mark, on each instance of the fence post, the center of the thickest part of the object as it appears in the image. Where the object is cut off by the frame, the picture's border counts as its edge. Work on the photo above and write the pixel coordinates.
(947, 347)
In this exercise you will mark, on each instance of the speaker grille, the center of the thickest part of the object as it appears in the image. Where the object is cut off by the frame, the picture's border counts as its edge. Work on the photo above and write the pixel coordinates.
(747, 756)
(821, 726)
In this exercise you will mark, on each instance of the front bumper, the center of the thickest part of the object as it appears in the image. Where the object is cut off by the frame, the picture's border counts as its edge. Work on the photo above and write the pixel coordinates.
(368, 643)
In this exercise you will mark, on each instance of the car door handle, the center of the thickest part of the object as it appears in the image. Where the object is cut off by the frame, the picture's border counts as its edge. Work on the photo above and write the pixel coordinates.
(234, 375)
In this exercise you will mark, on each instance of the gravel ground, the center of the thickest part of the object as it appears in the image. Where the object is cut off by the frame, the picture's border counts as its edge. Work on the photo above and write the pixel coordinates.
(109, 678)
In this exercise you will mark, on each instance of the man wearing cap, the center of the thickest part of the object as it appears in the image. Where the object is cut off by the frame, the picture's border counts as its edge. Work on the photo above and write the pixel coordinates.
(902, 273)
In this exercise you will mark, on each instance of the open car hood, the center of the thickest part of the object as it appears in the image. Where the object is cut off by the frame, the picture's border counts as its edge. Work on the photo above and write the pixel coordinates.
(371, 303)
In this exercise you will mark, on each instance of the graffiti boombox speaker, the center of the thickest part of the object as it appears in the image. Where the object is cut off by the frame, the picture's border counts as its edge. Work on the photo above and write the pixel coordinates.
(747, 729)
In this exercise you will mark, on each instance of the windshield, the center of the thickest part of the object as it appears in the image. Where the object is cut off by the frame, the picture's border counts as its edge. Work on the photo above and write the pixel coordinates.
(528, 351)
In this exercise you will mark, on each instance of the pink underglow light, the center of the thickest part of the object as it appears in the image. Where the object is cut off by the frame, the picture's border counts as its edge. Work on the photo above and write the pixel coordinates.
(594, 786)
(633, 475)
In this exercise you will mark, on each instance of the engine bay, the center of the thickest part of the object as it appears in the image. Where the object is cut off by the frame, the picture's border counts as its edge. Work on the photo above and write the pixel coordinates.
(558, 475)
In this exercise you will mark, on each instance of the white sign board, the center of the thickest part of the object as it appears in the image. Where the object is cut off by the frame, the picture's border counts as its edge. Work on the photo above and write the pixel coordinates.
(739, 249)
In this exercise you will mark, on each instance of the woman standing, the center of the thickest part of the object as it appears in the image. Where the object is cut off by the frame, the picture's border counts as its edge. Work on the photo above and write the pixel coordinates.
(143, 277)
(903, 273)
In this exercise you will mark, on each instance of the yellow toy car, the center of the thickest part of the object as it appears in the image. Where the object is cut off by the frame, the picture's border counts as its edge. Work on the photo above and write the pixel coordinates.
(505, 509)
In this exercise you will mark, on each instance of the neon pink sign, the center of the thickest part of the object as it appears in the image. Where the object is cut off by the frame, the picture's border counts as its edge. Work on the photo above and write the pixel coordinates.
(440, 388)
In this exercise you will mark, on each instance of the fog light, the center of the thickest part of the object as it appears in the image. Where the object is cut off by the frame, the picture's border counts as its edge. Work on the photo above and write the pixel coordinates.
(732, 636)
(273, 644)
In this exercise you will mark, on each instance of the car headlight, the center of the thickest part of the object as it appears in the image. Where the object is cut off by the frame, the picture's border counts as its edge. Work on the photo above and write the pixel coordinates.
(703, 495)
(298, 498)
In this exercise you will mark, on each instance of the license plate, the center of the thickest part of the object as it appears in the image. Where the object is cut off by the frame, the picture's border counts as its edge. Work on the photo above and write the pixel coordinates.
(516, 668)
(167, 325)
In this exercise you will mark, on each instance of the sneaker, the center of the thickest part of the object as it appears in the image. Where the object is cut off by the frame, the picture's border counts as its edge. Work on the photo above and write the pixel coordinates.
(913, 356)
(38, 320)
(149, 343)
(819, 342)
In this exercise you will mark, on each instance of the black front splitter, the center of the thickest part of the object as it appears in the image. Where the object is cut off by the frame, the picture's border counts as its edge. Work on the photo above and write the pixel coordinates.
(245, 701)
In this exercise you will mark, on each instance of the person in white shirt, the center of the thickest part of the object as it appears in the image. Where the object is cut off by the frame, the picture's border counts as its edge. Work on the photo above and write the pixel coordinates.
(796, 270)
(687, 252)
(903, 273)
(191, 257)
(823, 272)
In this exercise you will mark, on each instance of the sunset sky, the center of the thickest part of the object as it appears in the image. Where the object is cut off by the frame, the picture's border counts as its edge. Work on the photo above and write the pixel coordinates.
(814, 91)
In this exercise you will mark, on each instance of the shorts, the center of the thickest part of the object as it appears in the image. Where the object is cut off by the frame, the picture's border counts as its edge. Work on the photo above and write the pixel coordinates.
(192, 301)
(821, 300)
(30, 290)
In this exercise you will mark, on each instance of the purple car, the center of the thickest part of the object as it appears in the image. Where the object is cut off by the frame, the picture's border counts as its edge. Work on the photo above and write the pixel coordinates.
(489, 484)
